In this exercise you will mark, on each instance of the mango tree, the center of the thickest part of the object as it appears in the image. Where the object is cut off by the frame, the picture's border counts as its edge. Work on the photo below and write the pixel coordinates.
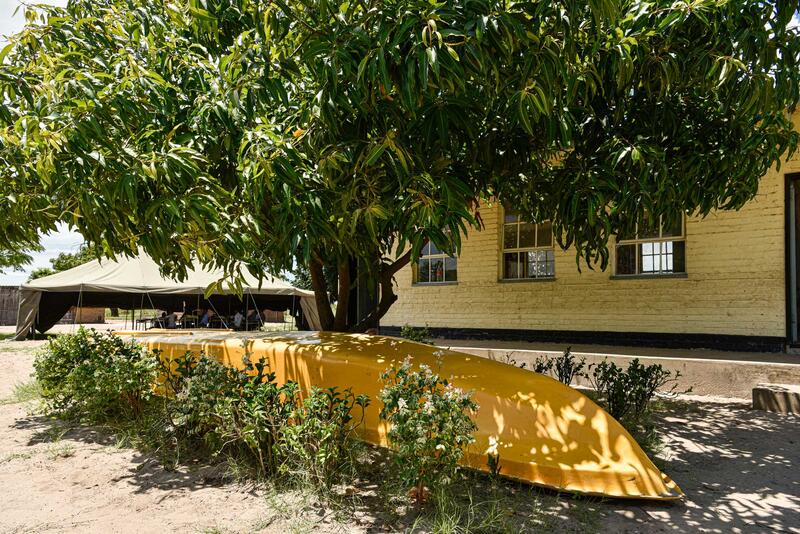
(261, 135)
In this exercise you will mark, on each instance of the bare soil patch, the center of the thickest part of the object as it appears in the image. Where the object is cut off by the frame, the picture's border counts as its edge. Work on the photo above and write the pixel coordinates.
(738, 468)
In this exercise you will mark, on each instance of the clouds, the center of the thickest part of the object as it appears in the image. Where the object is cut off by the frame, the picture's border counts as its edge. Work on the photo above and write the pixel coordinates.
(62, 240)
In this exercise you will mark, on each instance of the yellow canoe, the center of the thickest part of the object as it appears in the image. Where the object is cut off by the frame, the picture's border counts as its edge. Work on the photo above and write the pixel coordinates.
(545, 433)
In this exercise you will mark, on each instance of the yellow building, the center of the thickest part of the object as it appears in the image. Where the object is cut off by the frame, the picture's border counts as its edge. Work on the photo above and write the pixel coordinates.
(726, 281)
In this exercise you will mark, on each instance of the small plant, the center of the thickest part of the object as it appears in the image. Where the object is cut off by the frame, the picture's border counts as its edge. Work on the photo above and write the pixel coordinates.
(413, 333)
(543, 365)
(318, 445)
(564, 368)
(429, 426)
(511, 361)
(567, 367)
(626, 394)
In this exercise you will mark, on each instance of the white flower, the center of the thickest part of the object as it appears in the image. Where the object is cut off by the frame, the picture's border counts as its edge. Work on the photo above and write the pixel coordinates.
(401, 405)
(440, 447)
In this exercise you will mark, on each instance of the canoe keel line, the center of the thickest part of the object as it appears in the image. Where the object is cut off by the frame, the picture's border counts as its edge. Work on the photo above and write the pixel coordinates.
(544, 432)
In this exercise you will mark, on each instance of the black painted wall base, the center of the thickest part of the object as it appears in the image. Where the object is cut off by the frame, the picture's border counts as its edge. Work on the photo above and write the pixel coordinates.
(631, 339)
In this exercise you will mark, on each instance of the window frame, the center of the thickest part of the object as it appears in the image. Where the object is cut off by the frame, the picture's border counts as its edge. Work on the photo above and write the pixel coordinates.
(439, 255)
(639, 241)
(523, 250)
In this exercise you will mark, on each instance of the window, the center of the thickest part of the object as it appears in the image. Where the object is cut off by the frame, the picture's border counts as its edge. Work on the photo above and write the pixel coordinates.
(527, 248)
(653, 251)
(435, 266)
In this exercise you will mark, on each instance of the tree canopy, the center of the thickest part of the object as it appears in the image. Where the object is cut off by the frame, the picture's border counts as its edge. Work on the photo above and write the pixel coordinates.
(266, 134)
(63, 262)
(13, 260)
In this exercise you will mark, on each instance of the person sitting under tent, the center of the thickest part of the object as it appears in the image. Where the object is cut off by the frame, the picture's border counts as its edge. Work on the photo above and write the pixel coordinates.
(205, 319)
(238, 318)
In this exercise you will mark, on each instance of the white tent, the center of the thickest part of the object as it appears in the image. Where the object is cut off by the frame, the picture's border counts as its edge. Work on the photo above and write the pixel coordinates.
(132, 283)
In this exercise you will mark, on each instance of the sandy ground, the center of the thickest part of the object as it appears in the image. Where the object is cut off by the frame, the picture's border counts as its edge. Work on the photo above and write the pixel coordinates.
(738, 467)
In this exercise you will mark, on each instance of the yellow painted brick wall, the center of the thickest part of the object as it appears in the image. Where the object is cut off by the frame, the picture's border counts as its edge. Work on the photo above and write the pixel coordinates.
(735, 283)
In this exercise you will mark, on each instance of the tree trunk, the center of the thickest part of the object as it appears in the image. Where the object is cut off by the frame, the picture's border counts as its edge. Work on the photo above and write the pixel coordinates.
(343, 302)
(387, 293)
(326, 318)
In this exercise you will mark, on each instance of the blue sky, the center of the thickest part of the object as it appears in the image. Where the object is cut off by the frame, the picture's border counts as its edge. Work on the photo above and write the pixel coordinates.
(63, 240)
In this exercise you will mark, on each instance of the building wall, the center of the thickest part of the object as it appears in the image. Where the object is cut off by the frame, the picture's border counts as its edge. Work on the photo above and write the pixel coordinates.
(735, 283)
(9, 305)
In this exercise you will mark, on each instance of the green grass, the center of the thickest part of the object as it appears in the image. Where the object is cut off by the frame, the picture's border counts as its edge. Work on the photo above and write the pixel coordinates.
(24, 392)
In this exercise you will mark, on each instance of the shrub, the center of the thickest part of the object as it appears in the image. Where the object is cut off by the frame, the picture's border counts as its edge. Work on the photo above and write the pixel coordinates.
(234, 412)
(567, 367)
(564, 368)
(95, 376)
(543, 365)
(626, 394)
(247, 415)
(318, 445)
(429, 425)
(420, 335)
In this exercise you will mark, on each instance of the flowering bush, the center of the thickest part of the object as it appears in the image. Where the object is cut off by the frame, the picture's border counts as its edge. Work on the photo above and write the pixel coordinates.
(429, 425)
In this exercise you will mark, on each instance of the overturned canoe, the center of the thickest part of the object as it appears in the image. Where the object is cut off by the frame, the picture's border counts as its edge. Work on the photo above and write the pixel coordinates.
(544, 432)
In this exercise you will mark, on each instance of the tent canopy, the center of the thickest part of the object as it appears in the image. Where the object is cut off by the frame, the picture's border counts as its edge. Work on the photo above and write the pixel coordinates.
(136, 282)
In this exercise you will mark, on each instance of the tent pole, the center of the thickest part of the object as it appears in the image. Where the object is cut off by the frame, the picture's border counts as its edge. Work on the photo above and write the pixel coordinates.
(78, 307)
(218, 314)
(141, 311)
(152, 306)
(255, 305)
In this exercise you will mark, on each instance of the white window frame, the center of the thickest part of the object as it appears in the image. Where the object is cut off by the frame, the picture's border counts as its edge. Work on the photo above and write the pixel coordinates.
(439, 255)
(549, 250)
(659, 241)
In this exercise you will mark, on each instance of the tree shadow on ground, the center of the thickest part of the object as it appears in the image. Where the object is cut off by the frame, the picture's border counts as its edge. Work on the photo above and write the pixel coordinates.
(737, 467)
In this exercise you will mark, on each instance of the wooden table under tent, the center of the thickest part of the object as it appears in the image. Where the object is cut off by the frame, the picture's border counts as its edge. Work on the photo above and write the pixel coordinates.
(136, 284)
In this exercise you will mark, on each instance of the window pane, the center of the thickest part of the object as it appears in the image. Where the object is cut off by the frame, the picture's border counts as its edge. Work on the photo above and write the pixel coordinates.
(675, 229)
(544, 235)
(510, 236)
(437, 270)
(551, 263)
(679, 256)
(450, 273)
(511, 215)
(527, 235)
(647, 229)
(423, 271)
(510, 265)
(426, 250)
(648, 260)
(434, 249)
(626, 259)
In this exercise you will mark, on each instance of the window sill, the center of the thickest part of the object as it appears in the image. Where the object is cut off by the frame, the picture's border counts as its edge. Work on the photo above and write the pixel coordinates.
(427, 284)
(647, 276)
(526, 280)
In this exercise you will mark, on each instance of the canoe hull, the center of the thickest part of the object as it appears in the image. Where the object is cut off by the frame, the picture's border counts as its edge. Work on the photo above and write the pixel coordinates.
(544, 432)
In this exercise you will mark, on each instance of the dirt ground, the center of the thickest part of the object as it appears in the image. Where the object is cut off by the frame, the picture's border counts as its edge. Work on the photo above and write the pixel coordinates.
(738, 468)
